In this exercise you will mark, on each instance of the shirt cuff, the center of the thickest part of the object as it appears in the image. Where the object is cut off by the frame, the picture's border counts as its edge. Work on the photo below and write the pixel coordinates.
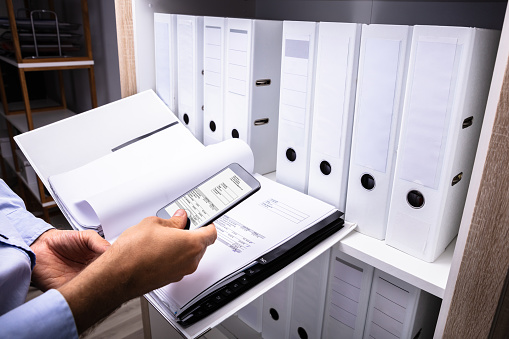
(47, 316)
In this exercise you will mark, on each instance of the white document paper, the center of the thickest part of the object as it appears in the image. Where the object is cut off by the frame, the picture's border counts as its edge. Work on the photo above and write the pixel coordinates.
(120, 189)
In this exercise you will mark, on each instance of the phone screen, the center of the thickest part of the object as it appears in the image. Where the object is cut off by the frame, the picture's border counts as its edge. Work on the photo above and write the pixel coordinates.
(204, 202)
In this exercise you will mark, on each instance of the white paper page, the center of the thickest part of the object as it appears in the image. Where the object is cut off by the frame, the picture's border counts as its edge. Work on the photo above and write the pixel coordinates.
(127, 205)
(136, 160)
(119, 190)
(260, 223)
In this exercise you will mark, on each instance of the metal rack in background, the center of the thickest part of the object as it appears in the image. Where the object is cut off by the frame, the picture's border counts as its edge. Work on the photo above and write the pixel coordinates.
(41, 37)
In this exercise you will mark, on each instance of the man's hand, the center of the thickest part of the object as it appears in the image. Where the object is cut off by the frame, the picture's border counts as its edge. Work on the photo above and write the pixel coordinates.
(61, 255)
(146, 256)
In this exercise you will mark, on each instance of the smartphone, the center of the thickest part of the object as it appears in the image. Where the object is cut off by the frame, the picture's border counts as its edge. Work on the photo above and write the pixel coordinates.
(213, 197)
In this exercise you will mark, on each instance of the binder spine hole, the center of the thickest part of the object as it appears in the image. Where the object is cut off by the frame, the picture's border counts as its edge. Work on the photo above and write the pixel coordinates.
(456, 179)
(235, 134)
(368, 182)
(263, 82)
(186, 118)
(212, 126)
(302, 333)
(415, 199)
(274, 314)
(325, 168)
(467, 122)
(291, 154)
(260, 122)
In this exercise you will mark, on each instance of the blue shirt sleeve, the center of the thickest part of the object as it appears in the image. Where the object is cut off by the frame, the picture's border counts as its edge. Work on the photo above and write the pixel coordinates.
(47, 316)
(25, 224)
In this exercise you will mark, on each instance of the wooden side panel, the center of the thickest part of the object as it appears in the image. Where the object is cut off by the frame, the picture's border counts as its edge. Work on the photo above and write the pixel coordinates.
(125, 41)
(485, 261)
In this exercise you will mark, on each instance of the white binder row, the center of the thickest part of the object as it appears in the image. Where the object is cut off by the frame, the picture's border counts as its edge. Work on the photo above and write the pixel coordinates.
(364, 302)
(404, 103)
(338, 296)
(407, 102)
(225, 81)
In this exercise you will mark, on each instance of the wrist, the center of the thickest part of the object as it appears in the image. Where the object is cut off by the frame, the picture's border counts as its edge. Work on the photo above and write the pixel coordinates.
(97, 291)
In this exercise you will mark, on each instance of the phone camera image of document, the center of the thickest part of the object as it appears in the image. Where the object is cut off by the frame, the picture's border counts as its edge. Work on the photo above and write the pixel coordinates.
(207, 200)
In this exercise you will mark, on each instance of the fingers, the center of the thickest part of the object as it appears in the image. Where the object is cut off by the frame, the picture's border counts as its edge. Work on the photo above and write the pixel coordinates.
(94, 241)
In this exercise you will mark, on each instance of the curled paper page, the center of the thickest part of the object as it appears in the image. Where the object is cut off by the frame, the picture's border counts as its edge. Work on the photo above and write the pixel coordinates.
(120, 189)
(126, 205)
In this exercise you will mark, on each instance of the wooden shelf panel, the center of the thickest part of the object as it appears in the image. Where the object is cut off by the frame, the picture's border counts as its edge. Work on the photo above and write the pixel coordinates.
(49, 64)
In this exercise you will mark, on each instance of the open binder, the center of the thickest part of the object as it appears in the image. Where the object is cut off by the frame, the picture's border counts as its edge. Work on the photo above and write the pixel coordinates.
(260, 269)
(112, 166)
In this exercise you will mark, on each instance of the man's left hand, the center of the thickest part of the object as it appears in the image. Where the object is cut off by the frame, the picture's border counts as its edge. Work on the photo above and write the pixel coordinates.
(61, 255)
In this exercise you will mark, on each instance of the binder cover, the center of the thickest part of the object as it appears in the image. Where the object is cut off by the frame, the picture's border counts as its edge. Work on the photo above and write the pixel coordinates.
(190, 73)
(165, 39)
(214, 79)
(253, 72)
(380, 91)
(347, 297)
(448, 81)
(296, 104)
(333, 111)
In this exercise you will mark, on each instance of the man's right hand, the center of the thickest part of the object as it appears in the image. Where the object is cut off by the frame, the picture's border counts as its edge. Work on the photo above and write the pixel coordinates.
(149, 255)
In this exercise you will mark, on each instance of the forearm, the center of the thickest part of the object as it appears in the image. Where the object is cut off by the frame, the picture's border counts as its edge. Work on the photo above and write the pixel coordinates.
(98, 290)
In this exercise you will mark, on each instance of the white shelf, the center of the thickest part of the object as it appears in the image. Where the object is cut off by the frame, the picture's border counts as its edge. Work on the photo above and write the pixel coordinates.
(42, 64)
(19, 121)
(430, 277)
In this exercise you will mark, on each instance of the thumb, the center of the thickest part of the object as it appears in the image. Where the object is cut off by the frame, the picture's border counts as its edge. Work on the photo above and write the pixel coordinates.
(179, 219)
(207, 233)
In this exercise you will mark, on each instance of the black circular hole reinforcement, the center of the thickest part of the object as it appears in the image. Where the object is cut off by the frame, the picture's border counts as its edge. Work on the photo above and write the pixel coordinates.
(367, 181)
(291, 154)
(212, 126)
(302, 333)
(325, 167)
(235, 133)
(415, 199)
(186, 118)
(274, 314)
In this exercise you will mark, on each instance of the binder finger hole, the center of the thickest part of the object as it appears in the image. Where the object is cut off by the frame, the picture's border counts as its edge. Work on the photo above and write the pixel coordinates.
(325, 168)
(302, 333)
(415, 199)
(235, 133)
(274, 314)
(368, 182)
(212, 126)
(186, 119)
(291, 154)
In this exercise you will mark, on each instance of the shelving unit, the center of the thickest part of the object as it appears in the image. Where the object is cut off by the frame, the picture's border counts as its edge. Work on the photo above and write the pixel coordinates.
(26, 115)
(458, 276)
